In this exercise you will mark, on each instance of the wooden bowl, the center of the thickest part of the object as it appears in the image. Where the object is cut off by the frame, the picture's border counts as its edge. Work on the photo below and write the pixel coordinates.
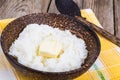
(80, 29)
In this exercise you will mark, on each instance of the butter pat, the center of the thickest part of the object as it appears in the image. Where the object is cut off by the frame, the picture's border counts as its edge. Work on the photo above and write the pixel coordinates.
(50, 48)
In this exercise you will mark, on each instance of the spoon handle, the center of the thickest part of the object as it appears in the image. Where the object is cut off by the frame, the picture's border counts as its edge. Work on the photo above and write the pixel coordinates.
(101, 31)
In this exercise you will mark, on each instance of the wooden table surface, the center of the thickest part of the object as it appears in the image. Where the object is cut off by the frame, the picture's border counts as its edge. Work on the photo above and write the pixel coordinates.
(107, 11)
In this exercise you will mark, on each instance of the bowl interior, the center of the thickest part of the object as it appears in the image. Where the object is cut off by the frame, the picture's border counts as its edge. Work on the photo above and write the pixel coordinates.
(12, 31)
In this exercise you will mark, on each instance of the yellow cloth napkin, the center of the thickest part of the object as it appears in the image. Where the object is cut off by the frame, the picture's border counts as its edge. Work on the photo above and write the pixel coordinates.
(106, 67)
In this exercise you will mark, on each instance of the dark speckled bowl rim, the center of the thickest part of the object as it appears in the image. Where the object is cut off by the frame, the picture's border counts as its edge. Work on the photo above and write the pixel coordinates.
(63, 73)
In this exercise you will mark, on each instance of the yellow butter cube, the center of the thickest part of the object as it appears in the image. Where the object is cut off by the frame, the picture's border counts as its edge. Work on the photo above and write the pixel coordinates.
(50, 48)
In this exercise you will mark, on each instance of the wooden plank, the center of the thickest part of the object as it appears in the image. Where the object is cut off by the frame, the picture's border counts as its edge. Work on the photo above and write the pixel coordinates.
(17, 8)
(1, 2)
(79, 3)
(104, 12)
(53, 8)
(117, 17)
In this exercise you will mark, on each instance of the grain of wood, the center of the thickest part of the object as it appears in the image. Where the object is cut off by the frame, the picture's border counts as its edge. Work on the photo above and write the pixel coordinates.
(17, 8)
(117, 17)
(79, 3)
(104, 12)
(1, 2)
(53, 8)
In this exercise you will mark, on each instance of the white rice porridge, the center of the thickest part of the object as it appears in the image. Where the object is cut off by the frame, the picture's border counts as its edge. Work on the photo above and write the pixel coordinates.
(24, 48)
